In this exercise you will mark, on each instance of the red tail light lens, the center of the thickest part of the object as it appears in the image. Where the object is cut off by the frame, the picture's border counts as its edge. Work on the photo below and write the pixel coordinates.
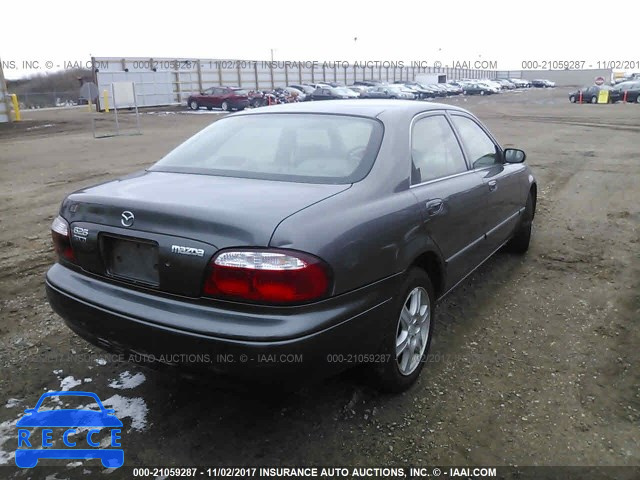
(61, 239)
(267, 276)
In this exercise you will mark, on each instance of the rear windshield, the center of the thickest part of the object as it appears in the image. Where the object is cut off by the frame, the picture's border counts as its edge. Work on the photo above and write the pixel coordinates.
(309, 148)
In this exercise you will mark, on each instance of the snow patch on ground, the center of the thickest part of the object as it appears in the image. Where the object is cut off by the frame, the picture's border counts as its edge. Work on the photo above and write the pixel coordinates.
(67, 383)
(134, 408)
(37, 127)
(128, 381)
(8, 434)
(101, 361)
(13, 402)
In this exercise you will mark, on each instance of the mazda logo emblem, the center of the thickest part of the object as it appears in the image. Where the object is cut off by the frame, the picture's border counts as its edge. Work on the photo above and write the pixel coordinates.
(127, 218)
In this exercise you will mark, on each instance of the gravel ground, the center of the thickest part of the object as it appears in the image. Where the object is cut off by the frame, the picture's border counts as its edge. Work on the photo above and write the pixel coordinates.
(534, 360)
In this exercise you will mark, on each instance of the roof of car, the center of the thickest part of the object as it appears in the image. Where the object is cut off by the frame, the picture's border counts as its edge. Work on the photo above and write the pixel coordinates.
(363, 107)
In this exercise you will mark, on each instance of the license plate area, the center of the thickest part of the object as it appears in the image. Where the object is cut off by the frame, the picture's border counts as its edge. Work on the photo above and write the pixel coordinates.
(131, 259)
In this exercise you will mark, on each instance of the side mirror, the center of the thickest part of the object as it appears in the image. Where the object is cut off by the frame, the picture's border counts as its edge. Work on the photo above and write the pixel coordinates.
(514, 155)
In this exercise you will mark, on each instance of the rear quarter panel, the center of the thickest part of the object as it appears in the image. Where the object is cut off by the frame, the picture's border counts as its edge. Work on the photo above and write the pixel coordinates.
(370, 231)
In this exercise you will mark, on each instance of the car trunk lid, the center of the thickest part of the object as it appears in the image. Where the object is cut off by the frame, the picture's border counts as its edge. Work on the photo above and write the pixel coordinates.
(160, 230)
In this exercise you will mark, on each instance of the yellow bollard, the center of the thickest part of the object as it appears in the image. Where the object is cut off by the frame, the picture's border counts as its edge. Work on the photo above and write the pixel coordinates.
(89, 104)
(16, 107)
(105, 95)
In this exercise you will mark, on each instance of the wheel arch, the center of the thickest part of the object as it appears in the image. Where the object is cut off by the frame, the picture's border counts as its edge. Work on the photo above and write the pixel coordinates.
(432, 264)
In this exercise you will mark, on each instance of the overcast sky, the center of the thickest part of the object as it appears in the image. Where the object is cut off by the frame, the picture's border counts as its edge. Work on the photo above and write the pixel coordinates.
(507, 32)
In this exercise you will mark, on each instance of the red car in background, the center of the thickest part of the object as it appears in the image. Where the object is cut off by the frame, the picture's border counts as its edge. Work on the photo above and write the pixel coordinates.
(226, 98)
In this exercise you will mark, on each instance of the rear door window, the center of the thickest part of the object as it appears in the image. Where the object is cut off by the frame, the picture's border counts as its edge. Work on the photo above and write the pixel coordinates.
(435, 151)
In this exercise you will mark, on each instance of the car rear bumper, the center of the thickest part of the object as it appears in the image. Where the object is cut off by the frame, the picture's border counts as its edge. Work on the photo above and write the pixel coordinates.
(226, 338)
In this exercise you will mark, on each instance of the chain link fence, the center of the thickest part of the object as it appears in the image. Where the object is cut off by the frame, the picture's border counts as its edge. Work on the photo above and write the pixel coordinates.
(34, 99)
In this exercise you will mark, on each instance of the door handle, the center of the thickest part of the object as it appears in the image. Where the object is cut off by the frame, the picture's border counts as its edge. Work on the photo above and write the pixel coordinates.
(493, 185)
(434, 207)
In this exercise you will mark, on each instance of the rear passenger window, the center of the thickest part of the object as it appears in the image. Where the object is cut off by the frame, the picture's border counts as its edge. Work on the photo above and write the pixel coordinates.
(435, 151)
(480, 148)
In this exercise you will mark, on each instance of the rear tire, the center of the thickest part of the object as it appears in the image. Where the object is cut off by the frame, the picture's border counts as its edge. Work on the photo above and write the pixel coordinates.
(416, 300)
(225, 106)
(519, 243)
(594, 99)
(572, 99)
(193, 105)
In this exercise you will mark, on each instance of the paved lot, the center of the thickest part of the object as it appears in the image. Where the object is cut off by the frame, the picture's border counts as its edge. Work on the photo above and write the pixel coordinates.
(534, 361)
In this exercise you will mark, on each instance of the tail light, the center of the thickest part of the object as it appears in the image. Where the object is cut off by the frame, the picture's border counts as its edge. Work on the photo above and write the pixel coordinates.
(61, 239)
(267, 276)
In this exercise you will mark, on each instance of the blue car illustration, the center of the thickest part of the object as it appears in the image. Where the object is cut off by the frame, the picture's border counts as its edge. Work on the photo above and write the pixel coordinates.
(70, 418)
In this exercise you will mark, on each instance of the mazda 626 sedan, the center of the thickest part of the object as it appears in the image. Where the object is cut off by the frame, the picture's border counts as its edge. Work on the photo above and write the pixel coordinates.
(302, 238)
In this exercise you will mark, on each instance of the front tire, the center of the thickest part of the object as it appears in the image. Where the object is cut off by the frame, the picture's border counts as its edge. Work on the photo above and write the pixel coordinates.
(193, 105)
(225, 106)
(594, 99)
(572, 99)
(407, 335)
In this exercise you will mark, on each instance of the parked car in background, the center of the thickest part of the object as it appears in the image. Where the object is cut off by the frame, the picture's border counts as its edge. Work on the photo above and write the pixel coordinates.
(321, 230)
(418, 90)
(451, 89)
(591, 93)
(396, 92)
(438, 89)
(520, 82)
(359, 89)
(506, 84)
(332, 93)
(373, 92)
(306, 89)
(368, 83)
(427, 91)
(319, 85)
(455, 88)
(494, 87)
(226, 98)
(299, 94)
(433, 92)
(542, 83)
(477, 89)
(348, 92)
(628, 91)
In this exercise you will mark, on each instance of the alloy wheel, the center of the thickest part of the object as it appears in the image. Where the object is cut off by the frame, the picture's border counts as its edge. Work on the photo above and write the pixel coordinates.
(413, 330)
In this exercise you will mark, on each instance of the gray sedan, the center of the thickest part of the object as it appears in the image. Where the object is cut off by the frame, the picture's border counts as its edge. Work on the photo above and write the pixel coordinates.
(301, 239)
